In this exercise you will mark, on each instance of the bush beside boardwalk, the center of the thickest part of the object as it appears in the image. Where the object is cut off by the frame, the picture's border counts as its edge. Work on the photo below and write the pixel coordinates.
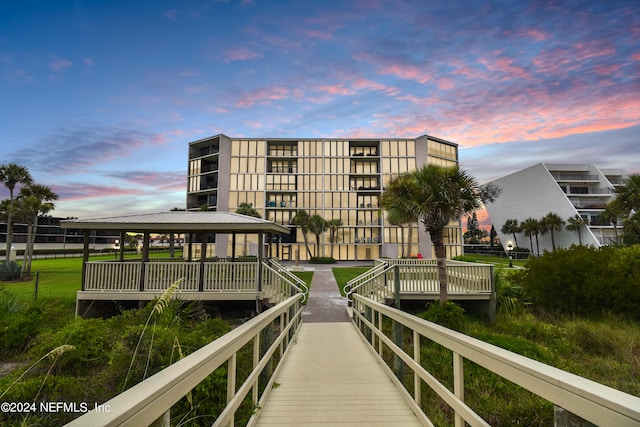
(606, 350)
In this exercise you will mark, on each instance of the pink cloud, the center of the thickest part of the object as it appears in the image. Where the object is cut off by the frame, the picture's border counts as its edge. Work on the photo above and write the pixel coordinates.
(322, 35)
(592, 49)
(262, 96)
(505, 66)
(336, 89)
(536, 34)
(240, 54)
(171, 14)
(409, 72)
(607, 69)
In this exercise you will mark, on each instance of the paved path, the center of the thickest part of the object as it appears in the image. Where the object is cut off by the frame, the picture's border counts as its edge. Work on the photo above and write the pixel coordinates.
(325, 303)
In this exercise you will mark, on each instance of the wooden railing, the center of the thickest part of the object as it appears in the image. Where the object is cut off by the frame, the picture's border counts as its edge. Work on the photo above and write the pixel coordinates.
(298, 282)
(158, 276)
(584, 398)
(112, 276)
(365, 277)
(150, 401)
(276, 287)
(422, 278)
(230, 276)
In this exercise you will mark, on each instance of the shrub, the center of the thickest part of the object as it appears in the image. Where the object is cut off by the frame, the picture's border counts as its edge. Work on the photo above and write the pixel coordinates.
(10, 270)
(450, 315)
(322, 260)
(584, 280)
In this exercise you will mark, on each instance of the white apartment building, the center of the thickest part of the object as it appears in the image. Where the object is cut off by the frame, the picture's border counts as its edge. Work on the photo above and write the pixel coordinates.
(564, 189)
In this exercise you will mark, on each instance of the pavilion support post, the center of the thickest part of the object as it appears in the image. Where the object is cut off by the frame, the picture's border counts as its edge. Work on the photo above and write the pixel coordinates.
(85, 257)
(203, 257)
(233, 246)
(190, 248)
(260, 258)
(121, 248)
(145, 259)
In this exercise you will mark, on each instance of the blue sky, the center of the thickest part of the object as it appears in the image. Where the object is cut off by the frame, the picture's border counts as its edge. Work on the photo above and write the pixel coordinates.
(99, 99)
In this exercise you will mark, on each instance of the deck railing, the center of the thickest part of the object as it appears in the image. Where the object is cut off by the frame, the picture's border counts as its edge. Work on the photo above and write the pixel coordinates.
(298, 282)
(584, 398)
(421, 277)
(276, 287)
(158, 276)
(150, 401)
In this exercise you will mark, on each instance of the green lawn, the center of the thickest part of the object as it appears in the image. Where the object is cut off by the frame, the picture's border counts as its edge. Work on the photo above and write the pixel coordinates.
(344, 274)
(306, 277)
(492, 259)
(58, 280)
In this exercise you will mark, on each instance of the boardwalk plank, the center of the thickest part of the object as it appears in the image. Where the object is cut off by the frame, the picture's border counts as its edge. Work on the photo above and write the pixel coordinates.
(331, 378)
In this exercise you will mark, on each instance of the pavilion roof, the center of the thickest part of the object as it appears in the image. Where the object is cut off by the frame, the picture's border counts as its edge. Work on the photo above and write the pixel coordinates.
(180, 222)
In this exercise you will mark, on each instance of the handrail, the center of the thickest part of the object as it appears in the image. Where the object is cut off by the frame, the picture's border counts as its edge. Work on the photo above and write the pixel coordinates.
(148, 401)
(282, 286)
(372, 284)
(587, 399)
(358, 280)
(422, 278)
(292, 277)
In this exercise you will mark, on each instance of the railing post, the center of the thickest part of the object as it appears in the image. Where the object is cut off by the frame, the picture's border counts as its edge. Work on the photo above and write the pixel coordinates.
(256, 359)
(398, 330)
(396, 285)
(417, 381)
(231, 383)
(458, 383)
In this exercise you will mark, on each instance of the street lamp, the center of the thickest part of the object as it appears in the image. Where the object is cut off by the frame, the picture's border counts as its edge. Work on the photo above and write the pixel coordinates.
(510, 251)
(116, 246)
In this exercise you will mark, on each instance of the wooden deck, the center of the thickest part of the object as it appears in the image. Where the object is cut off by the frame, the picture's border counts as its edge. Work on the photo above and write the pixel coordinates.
(331, 378)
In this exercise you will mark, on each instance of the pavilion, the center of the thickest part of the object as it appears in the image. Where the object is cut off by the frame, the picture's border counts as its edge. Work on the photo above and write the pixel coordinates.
(203, 276)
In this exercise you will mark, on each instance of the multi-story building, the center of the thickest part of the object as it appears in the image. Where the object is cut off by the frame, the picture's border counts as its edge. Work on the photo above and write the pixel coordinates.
(335, 178)
(564, 189)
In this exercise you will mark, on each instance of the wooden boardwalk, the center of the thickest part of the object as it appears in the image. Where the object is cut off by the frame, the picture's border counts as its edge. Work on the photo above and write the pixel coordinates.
(331, 378)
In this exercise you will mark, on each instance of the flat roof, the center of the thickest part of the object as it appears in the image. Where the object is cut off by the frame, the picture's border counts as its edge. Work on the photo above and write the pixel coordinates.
(180, 221)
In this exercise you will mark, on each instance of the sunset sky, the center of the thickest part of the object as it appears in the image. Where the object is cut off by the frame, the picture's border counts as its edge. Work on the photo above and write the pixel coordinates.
(99, 99)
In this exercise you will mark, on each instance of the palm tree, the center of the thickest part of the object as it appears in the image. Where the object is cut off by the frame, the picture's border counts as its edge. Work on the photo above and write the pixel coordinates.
(552, 222)
(302, 220)
(317, 225)
(628, 194)
(575, 223)
(35, 200)
(247, 209)
(611, 214)
(10, 175)
(512, 227)
(334, 225)
(395, 216)
(438, 195)
(397, 213)
(531, 227)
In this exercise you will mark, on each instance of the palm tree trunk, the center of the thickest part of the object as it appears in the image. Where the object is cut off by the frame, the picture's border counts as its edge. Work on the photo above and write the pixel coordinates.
(333, 240)
(32, 245)
(402, 251)
(553, 241)
(9, 225)
(537, 246)
(438, 245)
(306, 244)
(531, 243)
(409, 240)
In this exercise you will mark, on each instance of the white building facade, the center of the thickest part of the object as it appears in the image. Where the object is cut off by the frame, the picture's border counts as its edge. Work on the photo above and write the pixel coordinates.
(564, 189)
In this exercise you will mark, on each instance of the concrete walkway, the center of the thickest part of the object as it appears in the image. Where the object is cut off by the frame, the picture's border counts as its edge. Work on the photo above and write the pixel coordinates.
(325, 303)
(330, 376)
